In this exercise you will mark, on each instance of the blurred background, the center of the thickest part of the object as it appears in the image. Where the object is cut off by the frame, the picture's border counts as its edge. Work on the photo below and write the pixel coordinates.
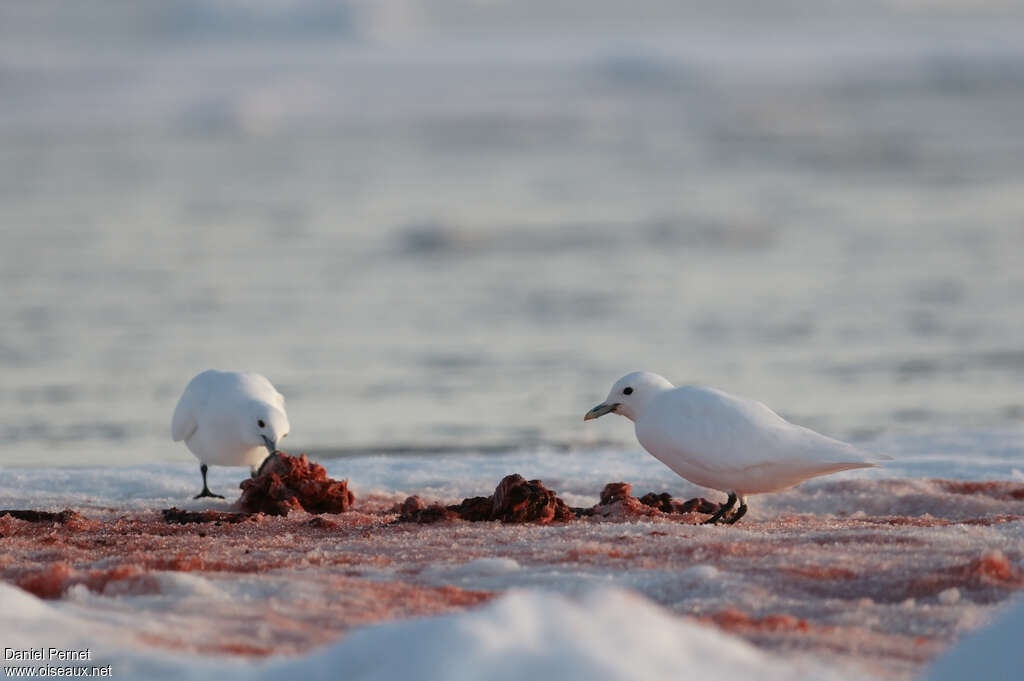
(454, 224)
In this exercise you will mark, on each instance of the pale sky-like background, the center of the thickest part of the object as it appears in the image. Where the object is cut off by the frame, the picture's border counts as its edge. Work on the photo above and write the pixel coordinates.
(455, 224)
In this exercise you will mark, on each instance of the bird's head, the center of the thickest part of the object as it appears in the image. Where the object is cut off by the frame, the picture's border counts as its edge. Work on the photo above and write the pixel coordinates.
(265, 425)
(629, 395)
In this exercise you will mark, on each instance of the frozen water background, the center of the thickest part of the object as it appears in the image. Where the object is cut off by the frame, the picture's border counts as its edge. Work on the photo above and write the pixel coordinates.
(453, 224)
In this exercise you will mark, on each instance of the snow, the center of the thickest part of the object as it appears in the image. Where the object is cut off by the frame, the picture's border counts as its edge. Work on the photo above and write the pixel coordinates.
(578, 475)
(606, 633)
(478, 567)
(872, 572)
(994, 652)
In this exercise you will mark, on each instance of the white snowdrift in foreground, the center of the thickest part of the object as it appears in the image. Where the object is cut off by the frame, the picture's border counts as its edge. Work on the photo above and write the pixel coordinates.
(995, 652)
(606, 634)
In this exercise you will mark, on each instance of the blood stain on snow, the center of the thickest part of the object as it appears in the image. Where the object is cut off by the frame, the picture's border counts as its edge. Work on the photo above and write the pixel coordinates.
(821, 572)
(735, 621)
(52, 581)
(176, 515)
(987, 578)
(862, 588)
(993, 488)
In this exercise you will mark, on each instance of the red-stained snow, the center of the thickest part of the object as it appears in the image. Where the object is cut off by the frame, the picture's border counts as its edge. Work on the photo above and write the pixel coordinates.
(878, 576)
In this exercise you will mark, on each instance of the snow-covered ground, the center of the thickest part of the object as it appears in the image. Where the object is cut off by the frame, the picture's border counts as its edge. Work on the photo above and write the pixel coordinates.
(993, 652)
(605, 634)
(869, 574)
(578, 476)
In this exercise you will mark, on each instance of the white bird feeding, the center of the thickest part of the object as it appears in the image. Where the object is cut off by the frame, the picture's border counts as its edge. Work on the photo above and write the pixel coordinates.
(717, 440)
(229, 418)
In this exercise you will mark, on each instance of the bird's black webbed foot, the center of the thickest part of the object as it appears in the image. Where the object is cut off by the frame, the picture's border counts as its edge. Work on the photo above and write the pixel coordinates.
(722, 510)
(206, 490)
(740, 512)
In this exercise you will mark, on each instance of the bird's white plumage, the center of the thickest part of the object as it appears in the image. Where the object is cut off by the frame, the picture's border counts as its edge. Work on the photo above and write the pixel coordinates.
(219, 413)
(725, 442)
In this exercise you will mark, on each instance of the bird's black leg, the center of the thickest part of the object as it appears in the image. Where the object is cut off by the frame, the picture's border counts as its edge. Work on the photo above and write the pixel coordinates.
(723, 509)
(740, 512)
(206, 490)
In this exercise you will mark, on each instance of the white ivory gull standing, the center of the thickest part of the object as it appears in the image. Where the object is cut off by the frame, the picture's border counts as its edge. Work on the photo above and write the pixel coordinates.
(229, 418)
(717, 440)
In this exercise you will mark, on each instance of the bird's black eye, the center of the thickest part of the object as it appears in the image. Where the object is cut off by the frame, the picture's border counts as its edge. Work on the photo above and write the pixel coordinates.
(261, 424)
(627, 391)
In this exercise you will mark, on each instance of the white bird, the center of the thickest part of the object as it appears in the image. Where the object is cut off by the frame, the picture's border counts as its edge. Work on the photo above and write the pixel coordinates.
(229, 418)
(717, 440)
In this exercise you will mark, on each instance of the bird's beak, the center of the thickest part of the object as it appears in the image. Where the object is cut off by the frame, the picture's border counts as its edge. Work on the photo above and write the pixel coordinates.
(271, 445)
(600, 410)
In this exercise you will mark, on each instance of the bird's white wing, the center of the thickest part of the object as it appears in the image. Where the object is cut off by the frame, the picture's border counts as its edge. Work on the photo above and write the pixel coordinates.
(197, 392)
(723, 432)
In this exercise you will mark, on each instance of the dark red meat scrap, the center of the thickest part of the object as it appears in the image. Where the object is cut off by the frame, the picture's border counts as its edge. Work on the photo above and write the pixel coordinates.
(615, 491)
(616, 497)
(515, 500)
(63, 517)
(286, 483)
(415, 510)
(182, 517)
(666, 504)
(474, 509)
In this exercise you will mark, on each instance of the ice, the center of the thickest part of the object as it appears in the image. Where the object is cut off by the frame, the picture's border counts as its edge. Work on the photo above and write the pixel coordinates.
(950, 596)
(31, 623)
(994, 652)
(478, 567)
(521, 635)
(607, 634)
(577, 475)
(864, 588)
(700, 573)
(859, 570)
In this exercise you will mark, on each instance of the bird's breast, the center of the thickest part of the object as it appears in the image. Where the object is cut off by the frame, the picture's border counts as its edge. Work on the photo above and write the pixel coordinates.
(685, 463)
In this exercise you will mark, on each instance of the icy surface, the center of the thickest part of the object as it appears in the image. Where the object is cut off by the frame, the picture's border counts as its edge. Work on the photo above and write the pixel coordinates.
(578, 475)
(995, 652)
(521, 635)
(605, 634)
(876, 571)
